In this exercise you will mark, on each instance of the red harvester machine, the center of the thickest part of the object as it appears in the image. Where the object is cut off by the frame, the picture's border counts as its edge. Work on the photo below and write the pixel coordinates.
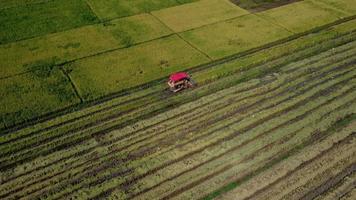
(179, 81)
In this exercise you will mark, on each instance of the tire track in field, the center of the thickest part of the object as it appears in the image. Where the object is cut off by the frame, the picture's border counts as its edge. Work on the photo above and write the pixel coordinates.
(143, 175)
(176, 192)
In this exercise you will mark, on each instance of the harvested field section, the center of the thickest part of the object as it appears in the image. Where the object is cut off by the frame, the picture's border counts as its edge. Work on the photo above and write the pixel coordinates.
(32, 20)
(170, 168)
(193, 15)
(109, 9)
(34, 94)
(317, 172)
(325, 145)
(301, 16)
(55, 49)
(240, 34)
(111, 72)
(342, 188)
(182, 176)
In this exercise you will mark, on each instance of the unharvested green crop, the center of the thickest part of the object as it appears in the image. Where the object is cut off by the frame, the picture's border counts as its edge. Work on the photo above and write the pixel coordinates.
(32, 20)
(34, 94)
(109, 9)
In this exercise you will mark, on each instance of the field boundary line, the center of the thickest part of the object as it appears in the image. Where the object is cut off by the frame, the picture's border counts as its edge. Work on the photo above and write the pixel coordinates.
(329, 7)
(102, 21)
(177, 34)
(72, 83)
(267, 19)
(124, 92)
(92, 55)
(93, 11)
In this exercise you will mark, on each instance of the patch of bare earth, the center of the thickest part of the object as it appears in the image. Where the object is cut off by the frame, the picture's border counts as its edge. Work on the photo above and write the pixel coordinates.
(261, 5)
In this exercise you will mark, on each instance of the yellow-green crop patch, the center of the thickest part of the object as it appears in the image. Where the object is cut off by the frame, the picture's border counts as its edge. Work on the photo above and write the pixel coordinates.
(111, 72)
(348, 6)
(301, 16)
(34, 94)
(346, 27)
(52, 49)
(32, 20)
(136, 29)
(193, 15)
(234, 36)
(85, 41)
(109, 9)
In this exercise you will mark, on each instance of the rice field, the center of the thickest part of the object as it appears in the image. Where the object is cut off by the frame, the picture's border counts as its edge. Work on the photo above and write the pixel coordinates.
(86, 114)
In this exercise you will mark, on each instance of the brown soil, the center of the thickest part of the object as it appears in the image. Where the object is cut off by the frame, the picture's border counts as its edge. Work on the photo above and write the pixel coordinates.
(258, 5)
